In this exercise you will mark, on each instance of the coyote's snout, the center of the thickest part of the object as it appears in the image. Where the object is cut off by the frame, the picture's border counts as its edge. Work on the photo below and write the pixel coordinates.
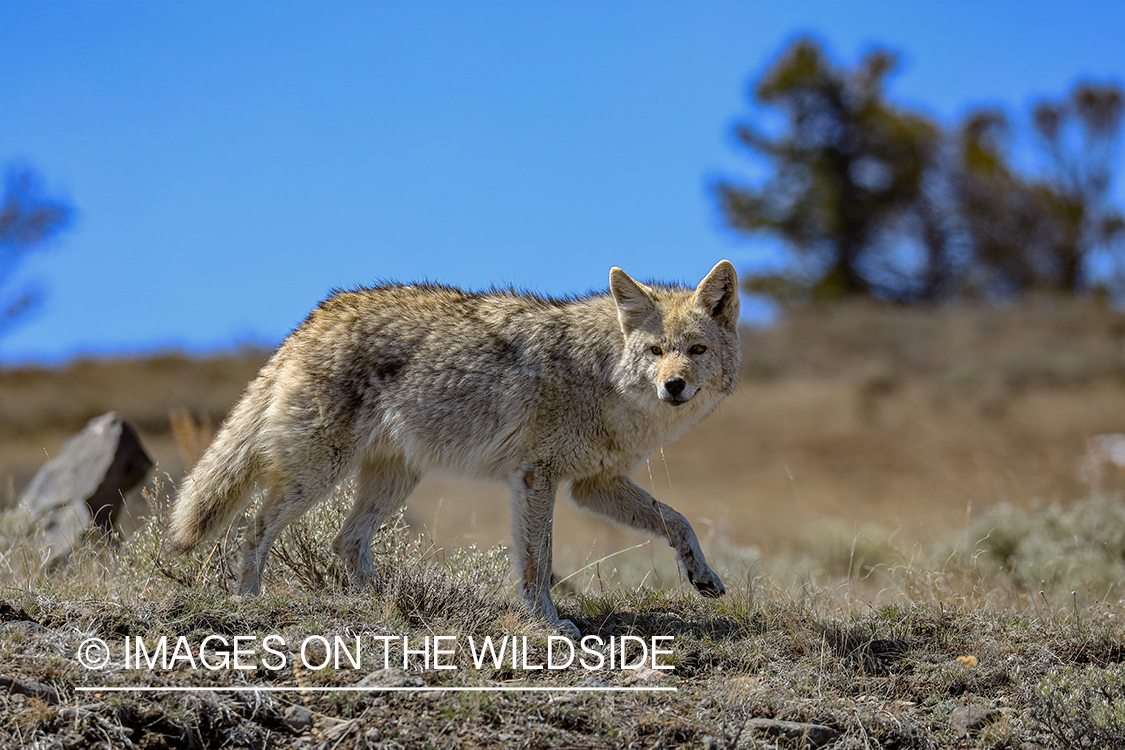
(392, 382)
(675, 391)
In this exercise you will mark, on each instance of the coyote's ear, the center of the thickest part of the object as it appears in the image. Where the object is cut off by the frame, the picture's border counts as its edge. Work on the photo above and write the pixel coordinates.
(634, 303)
(718, 294)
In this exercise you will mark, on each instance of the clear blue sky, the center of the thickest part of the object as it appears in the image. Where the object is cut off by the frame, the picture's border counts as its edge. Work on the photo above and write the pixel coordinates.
(231, 162)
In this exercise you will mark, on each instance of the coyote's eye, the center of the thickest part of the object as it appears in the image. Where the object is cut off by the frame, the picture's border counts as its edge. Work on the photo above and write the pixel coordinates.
(657, 351)
(697, 349)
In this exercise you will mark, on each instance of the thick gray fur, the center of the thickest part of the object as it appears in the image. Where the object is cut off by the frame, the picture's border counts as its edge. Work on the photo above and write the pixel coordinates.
(393, 382)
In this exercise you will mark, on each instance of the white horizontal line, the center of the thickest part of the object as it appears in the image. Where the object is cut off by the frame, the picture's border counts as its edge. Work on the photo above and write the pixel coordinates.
(375, 689)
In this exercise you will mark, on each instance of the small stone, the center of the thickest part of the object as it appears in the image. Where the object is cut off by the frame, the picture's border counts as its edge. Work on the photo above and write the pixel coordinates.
(26, 627)
(31, 688)
(73, 740)
(392, 677)
(809, 735)
(971, 719)
(298, 718)
(645, 676)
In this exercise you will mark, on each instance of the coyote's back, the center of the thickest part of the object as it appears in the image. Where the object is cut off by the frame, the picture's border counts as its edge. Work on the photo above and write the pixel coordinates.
(396, 381)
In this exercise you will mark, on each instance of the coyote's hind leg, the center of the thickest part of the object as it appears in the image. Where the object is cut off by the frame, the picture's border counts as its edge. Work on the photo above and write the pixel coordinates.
(382, 485)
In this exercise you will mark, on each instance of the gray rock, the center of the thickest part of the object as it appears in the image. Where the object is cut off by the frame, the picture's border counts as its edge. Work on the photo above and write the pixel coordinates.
(645, 676)
(807, 735)
(394, 678)
(80, 494)
(30, 688)
(971, 719)
(298, 718)
(24, 627)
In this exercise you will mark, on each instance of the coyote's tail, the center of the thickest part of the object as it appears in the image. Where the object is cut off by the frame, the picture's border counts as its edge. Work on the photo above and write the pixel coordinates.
(219, 485)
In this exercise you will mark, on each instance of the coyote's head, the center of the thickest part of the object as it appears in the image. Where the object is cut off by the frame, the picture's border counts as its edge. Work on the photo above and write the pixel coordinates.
(681, 345)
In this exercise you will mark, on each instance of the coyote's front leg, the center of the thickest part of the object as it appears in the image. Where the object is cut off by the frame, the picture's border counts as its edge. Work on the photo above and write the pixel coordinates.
(623, 501)
(533, 506)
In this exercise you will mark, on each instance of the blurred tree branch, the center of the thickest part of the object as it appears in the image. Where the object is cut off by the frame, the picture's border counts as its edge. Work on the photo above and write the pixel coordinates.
(28, 219)
(876, 200)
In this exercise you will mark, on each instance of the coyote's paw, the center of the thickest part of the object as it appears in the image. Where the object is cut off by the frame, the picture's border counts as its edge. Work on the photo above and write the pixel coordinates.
(707, 583)
(363, 580)
(569, 629)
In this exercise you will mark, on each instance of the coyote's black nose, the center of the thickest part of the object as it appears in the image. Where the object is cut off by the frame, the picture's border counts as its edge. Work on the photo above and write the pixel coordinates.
(675, 386)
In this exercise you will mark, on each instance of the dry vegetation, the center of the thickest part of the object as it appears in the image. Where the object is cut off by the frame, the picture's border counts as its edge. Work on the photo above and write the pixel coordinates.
(885, 656)
(891, 498)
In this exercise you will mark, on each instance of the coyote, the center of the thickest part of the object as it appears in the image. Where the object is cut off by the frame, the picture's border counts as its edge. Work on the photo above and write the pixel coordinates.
(396, 381)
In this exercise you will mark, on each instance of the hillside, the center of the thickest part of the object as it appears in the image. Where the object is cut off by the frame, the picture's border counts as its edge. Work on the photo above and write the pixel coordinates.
(915, 420)
(890, 495)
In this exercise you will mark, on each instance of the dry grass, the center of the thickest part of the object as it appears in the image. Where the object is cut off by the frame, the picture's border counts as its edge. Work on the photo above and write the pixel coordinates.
(891, 497)
(882, 652)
